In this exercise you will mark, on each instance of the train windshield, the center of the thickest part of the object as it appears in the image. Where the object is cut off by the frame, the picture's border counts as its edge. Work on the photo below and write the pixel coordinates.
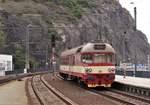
(97, 58)
(87, 58)
(101, 58)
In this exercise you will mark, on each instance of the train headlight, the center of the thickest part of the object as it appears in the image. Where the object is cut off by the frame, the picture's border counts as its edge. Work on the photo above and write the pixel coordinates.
(112, 70)
(88, 70)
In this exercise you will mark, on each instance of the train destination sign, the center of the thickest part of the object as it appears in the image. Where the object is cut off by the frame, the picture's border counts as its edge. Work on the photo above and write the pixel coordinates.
(99, 47)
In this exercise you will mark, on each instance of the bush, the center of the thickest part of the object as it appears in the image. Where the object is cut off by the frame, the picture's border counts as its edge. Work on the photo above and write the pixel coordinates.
(2, 38)
(34, 63)
(87, 3)
(77, 12)
(19, 57)
(74, 6)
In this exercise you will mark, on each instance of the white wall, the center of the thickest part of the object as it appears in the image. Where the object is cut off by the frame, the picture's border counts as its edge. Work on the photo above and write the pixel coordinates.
(2, 73)
(5, 63)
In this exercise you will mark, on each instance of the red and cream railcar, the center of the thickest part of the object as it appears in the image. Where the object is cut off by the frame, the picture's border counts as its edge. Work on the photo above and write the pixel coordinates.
(91, 64)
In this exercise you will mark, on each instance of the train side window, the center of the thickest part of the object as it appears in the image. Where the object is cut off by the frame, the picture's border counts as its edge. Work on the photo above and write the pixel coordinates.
(109, 58)
(73, 60)
(63, 60)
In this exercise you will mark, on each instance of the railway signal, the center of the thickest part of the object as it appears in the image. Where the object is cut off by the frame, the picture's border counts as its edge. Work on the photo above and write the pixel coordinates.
(52, 35)
(53, 40)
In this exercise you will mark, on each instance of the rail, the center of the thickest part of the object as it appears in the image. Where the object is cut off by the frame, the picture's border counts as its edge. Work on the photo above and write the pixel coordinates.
(43, 91)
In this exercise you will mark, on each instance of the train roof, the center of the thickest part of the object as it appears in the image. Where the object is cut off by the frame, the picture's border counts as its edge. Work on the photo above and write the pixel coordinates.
(89, 47)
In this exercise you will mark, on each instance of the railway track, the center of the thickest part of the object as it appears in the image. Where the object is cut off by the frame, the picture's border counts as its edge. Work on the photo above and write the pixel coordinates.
(119, 96)
(6, 79)
(47, 95)
(143, 99)
(122, 97)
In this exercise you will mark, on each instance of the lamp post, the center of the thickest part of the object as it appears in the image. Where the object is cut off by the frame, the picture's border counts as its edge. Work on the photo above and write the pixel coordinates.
(135, 17)
(135, 28)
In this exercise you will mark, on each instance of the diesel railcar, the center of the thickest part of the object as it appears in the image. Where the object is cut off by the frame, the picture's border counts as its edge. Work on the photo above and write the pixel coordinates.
(91, 64)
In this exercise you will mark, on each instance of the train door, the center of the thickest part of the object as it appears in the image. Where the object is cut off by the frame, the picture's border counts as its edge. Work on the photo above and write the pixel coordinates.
(71, 63)
(69, 66)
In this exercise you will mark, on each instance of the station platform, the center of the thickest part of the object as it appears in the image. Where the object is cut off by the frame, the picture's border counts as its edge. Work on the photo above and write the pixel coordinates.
(133, 81)
(13, 93)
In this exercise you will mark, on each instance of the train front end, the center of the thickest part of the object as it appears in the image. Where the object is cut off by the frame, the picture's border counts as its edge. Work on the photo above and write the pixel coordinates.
(98, 64)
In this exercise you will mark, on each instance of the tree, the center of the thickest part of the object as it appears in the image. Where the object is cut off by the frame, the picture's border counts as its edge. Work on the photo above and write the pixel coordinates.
(2, 38)
(52, 35)
(19, 58)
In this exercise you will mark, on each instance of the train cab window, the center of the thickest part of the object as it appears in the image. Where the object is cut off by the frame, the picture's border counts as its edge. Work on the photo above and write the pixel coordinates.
(87, 58)
(102, 58)
(99, 58)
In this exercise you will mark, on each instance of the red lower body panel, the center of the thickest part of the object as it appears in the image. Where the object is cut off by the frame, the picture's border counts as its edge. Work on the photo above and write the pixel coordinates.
(94, 80)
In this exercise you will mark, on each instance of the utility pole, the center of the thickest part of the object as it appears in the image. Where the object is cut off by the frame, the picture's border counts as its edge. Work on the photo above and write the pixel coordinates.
(99, 29)
(46, 56)
(27, 65)
(124, 54)
(99, 37)
(53, 59)
(124, 47)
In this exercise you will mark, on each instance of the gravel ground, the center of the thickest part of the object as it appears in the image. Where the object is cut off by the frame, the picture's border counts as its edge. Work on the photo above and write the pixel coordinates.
(77, 94)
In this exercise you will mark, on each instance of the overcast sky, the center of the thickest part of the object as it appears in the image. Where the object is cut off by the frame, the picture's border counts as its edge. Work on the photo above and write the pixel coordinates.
(143, 14)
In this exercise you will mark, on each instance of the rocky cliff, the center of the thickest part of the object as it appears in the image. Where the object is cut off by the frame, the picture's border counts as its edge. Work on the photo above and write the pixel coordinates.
(74, 22)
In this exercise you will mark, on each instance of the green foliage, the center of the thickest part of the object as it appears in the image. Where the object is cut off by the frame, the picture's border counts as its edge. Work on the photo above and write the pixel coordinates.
(77, 11)
(34, 63)
(87, 3)
(2, 38)
(75, 5)
(51, 33)
(19, 57)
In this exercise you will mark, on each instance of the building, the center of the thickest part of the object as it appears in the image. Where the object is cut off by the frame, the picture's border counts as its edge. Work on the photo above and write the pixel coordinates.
(5, 64)
(131, 67)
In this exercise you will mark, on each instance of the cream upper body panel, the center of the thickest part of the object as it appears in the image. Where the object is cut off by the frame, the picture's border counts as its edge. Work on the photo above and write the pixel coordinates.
(89, 47)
